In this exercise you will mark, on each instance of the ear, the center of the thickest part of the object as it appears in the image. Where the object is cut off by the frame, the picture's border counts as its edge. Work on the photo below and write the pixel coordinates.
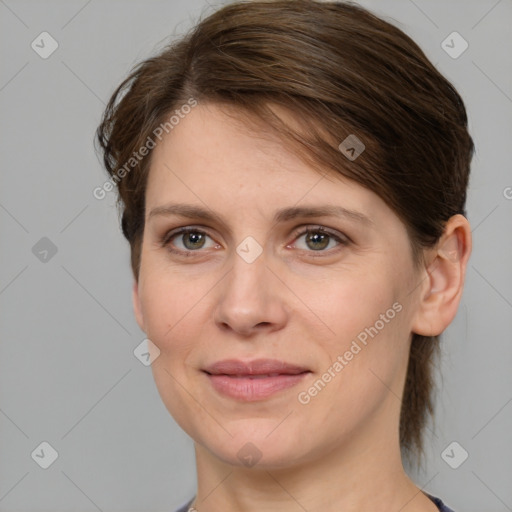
(444, 279)
(137, 307)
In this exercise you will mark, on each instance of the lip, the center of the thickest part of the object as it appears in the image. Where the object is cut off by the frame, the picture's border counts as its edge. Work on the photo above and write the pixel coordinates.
(253, 380)
(254, 367)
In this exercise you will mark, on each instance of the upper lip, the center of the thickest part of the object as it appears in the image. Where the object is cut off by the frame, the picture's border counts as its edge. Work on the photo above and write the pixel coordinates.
(254, 367)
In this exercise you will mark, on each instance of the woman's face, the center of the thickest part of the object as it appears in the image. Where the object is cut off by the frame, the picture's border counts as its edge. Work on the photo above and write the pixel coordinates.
(335, 307)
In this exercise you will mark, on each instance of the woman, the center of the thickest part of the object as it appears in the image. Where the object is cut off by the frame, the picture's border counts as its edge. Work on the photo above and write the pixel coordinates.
(292, 177)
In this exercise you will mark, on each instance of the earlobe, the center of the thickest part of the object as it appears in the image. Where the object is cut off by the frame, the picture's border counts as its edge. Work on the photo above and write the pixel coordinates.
(137, 307)
(445, 279)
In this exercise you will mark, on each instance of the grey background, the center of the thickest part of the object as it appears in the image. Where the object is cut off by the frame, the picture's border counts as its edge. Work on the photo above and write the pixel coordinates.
(68, 373)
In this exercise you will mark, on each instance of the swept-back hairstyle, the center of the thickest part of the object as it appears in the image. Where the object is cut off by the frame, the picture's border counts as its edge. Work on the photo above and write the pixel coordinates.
(339, 70)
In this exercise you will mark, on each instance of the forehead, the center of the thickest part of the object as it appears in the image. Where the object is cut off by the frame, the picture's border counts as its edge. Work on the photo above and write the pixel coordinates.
(215, 158)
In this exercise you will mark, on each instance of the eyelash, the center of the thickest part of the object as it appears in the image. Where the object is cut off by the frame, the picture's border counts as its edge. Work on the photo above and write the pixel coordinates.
(342, 240)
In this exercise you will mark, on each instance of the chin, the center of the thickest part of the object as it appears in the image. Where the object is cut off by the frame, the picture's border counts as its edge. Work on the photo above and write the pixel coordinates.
(259, 449)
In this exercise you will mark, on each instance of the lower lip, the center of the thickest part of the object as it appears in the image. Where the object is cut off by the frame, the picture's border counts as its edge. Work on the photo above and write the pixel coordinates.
(252, 389)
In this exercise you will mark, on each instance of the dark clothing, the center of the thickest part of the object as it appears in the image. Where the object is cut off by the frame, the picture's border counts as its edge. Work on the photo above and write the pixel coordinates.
(440, 505)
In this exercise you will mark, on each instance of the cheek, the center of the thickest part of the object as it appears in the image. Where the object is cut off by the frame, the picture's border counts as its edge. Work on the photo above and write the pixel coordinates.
(363, 374)
(171, 308)
(347, 305)
(365, 329)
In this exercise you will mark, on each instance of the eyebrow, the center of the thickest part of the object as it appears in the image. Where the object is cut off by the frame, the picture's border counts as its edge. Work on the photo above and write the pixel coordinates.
(285, 214)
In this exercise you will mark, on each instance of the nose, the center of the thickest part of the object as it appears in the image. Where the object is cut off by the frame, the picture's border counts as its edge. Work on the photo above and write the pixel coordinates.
(251, 299)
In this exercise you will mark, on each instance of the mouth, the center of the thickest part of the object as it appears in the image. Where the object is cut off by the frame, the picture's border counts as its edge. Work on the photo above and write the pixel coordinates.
(253, 380)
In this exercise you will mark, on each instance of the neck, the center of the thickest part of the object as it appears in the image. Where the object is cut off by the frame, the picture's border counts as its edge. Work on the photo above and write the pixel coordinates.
(364, 473)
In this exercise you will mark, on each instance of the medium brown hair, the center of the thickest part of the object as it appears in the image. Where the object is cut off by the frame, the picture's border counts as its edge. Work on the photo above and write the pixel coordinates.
(339, 70)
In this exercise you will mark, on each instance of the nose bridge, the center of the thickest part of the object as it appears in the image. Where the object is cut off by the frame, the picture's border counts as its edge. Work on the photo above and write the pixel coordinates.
(249, 296)
(248, 264)
(249, 276)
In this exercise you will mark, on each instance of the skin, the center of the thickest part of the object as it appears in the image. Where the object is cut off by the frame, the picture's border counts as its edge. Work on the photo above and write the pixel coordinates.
(341, 450)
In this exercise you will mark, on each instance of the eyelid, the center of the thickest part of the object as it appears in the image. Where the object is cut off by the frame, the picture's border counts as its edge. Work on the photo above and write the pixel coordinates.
(304, 229)
(341, 238)
(168, 235)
